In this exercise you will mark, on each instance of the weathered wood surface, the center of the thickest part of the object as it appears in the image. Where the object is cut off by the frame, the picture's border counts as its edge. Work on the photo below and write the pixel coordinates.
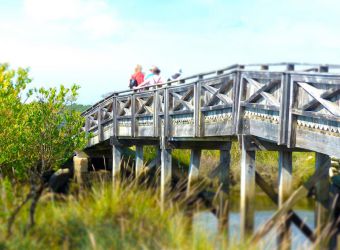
(282, 103)
(284, 190)
(292, 215)
(282, 107)
(116, 162)
(320, 173)
(323, 204)
(195, 159)
(166, 170)
(247, 206)
(139, 160)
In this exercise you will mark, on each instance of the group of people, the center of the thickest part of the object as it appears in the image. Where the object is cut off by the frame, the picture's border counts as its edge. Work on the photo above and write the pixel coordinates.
(139, 80)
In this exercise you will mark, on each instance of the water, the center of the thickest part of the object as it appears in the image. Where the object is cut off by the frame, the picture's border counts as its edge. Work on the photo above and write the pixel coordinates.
(207, 223)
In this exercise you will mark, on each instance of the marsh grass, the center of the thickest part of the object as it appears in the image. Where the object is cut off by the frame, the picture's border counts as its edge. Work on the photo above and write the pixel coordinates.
(126, 217)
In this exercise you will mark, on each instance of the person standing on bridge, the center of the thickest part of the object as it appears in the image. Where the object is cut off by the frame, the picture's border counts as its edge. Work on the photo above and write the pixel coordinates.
(137, 78)
(155, 79)
(175, 76)
(151, 74)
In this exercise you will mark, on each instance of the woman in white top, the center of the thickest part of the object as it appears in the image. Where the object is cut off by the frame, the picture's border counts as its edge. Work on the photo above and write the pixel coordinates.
(152, 80)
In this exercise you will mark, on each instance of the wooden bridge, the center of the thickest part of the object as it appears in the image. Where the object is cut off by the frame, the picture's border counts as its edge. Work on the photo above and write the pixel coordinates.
(283, 107)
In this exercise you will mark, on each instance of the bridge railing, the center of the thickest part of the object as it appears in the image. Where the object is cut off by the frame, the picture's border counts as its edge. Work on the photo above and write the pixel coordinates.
(260, 105)
(218, 103)
(250, 99)
(181, 103)
(124, 115)
(314, 112)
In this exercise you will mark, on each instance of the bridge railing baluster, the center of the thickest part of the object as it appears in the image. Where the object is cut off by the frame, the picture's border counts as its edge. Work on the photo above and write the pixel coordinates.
(100, 128)
(260, 99)
(314, 112)
(284, 110)
(197, 110)
(114, 116)
(156, 109)
(165, 132)
(133, 114)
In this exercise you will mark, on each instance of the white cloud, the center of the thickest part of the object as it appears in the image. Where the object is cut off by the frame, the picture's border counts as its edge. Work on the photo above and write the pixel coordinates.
(65, 41)
(95, 17)
(45, 10)
(100, 25)
(85, 41)
(62, 9)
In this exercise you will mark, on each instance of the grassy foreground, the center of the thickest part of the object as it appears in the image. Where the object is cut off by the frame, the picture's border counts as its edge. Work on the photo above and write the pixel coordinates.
(127, 217)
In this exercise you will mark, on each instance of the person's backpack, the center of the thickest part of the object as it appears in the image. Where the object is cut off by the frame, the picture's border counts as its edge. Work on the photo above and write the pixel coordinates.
(133, 83)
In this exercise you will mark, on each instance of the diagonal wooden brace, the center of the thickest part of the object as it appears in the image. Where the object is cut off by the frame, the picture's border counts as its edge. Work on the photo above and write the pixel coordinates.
(269, 97)
(293, 217)
(183, 100)
(301, 192)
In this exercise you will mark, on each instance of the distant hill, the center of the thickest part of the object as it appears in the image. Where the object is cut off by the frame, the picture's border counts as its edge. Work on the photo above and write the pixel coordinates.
(78, 107)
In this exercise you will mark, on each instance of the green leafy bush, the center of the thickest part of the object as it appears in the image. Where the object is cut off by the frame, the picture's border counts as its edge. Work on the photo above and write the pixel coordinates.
(38, 131)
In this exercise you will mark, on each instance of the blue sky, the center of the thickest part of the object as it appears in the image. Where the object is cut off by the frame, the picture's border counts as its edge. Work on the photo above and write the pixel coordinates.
(96, 43)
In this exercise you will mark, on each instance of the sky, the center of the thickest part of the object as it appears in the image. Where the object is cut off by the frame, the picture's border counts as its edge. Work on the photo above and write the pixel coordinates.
(97, 43)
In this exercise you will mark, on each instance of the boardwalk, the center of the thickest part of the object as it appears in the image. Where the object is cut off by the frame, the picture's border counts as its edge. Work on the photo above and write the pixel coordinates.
(279, 107)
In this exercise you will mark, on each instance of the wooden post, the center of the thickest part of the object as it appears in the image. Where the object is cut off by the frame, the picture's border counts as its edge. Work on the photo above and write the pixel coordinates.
(158, 157)
(284, 108)
(322, 211)
(114, 116)
(225, 169)
(197, 110)
(100, 127)
(166, 167)
(195, 158)
(223, 211)
(247, 190)
(166, 157)
(156, 119)
(80, 166)
(133, 115)
(87, 128)
(139, 160)
(285, 189)
(116, 162)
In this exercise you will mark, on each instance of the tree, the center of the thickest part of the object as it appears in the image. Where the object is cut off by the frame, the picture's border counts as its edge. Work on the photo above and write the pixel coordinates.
(41, 134)
(78, 107)
(12, 85)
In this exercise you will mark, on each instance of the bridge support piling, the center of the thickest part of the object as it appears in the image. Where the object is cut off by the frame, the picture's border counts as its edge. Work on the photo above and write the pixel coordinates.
(116, 162)
(139, 160)
(247, 189)
(195, 159)
(166, 171)
(225, 168)
(80, 166)
(322, 208)
(158, 157)
(223, 212)
(284, 191)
